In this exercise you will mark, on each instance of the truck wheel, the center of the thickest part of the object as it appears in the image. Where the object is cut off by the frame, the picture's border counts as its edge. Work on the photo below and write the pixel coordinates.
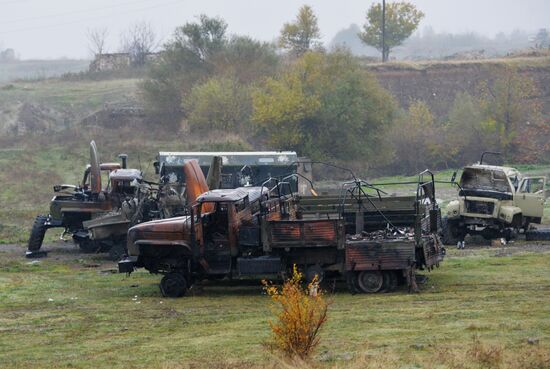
(173, 285)
(370, 281)
(88, 246)
(313, 271)
(117, 251)
(390, 281)
(446, 233)
(538, 235)
(37, 233)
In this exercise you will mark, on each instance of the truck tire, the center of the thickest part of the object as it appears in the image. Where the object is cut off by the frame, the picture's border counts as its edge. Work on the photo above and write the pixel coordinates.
(117, 251)
(446, 234)
(390, 281)
(37, 233)
(312, 271)
(88, 246)
(537, 235)
(370, 281)
(173, 285)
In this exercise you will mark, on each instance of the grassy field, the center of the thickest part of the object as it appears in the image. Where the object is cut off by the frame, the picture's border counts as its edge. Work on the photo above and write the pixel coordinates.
(484, 308)
(73, 98)
(39, 69)
(71, 311)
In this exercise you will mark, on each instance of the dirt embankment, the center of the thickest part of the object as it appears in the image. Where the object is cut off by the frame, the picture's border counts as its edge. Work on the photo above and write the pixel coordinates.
(437, 83)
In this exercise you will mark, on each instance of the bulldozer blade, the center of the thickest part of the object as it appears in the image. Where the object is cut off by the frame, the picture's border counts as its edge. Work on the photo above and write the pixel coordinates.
(36, 254)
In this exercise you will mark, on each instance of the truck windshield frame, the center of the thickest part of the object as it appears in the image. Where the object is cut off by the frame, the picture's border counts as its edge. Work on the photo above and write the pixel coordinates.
(485, 180)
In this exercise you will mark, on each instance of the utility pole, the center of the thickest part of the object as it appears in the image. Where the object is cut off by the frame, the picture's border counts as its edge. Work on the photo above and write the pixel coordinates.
(384, 58)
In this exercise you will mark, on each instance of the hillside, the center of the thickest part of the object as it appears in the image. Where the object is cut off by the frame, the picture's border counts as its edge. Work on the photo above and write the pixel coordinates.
(437, 83)
(39, 69)
(55, 105)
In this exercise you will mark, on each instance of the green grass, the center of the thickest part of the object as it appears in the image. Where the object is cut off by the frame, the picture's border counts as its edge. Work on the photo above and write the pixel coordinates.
(60, 313)
(39, 69)
(78, 97)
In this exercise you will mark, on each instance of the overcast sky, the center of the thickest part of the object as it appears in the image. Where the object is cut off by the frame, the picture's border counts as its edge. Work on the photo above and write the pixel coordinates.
(57, 28)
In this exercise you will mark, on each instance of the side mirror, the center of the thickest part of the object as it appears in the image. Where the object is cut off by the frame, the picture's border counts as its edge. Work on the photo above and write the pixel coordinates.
(453, 176)
(156, 164)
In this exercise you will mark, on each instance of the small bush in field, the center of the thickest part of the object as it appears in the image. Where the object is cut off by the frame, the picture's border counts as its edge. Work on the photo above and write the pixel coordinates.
(487, 356)
(300, 312)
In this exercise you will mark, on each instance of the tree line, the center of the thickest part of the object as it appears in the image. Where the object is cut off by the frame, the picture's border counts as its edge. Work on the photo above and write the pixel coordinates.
(296, 95)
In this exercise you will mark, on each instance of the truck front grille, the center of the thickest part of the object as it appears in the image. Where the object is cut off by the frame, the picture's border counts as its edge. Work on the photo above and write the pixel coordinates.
(480, 207)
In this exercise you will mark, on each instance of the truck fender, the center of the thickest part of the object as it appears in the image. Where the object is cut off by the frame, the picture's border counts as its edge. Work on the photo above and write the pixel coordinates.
(510, 214)
(453, 209)
(183, 247)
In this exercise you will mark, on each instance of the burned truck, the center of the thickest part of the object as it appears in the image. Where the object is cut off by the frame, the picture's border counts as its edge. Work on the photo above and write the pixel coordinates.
(372, 241)
(493, 202)
(238, 169)
(73, 205)
(167, 198)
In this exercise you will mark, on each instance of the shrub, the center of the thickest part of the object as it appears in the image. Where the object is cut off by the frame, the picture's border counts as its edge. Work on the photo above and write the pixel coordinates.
(327, 107)
(487, 356)
(219, 103)
(300, 313)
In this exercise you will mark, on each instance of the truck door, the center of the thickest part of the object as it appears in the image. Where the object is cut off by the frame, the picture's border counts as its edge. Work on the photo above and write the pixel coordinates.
(216, 235)
(530, 196)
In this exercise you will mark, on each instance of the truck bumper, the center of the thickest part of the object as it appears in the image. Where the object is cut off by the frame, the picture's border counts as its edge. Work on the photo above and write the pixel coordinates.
(127, 265)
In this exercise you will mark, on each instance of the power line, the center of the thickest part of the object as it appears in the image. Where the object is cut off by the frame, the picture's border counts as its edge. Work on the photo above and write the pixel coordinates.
(72, 12)
(88, 19)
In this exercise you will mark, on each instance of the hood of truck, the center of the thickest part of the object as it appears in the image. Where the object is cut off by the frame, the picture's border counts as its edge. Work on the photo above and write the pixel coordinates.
(173, 231)
(479, 207)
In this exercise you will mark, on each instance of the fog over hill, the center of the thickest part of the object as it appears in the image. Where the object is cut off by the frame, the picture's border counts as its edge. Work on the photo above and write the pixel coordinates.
(56, 28)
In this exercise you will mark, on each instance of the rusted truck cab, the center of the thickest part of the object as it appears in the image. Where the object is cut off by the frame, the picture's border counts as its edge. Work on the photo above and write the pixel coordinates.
(204, 244)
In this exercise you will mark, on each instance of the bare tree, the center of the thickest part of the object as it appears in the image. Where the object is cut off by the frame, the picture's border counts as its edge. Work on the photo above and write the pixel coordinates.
(97, 38)
(139, 40)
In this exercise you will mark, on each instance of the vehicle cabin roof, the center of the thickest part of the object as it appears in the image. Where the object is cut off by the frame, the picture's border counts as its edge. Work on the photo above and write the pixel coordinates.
(237, 158)
(509, 171)
(125, 174)
(232, 195)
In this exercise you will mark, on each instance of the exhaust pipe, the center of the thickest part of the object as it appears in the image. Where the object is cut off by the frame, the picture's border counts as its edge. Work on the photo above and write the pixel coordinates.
(124, 159)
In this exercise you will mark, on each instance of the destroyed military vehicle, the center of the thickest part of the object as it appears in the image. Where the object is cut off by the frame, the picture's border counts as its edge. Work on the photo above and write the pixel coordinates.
(374, 242)
(73, 205)
(493, 202)
(149, 201)
(238, 169)
(167, 199)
